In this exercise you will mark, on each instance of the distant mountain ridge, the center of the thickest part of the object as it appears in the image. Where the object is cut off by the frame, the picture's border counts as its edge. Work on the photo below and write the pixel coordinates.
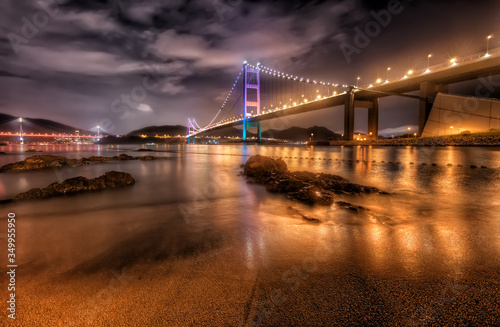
(10, 124)
(172, 130)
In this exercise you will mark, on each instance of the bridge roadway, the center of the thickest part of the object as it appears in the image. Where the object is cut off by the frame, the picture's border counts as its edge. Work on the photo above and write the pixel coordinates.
(428, 83)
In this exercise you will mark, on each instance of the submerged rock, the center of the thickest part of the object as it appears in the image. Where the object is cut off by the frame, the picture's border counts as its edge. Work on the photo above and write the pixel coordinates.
(101, 159)
(307, 187)
(39, 162)
(110, 180)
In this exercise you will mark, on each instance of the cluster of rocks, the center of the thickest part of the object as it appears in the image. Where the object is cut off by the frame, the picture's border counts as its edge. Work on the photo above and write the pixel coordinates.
(110, 180)
(307, 187)
(491, 140)
(39, 162)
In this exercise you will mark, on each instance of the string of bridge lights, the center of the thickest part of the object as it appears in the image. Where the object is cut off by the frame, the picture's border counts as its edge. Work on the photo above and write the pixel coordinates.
(225, 100)
(277, 73)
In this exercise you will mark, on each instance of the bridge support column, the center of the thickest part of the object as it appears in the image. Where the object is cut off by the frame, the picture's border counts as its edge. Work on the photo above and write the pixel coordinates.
(349, 115)
(373, 120)
(191, 139)
(244, 137)
(428, 92)
(248, 124)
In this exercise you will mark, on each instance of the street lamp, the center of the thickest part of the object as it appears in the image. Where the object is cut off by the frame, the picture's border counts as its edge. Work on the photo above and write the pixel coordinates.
(312, 134)
(357, 81)
(428, 62)
(451, 130)
(21, 130)
(98, 131)
(453, 61)
(388, 70)
(488, 38)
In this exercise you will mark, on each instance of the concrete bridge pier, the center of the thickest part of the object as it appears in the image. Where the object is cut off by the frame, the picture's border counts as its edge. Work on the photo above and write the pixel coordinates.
(349, 115)
(247, 124)
(350, 104)
(373, 119)
(428, 92)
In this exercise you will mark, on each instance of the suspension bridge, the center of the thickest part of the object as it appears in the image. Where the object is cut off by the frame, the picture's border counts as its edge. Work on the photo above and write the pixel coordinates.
(261, 93)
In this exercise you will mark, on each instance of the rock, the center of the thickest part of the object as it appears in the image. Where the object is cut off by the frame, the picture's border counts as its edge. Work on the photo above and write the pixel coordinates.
(38, 162)
(123, 157)
(32, 150)
(146, 158)
(110, 180)
(144, 150)
(259, 166)
(311, 195)
(98, 159)
(347, 205)
(302, 186)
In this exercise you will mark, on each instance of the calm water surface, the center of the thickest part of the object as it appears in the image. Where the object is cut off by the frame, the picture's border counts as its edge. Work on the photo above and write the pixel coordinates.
(193, 209)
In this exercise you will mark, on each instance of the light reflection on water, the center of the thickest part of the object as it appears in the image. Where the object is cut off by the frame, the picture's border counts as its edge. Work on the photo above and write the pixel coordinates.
(440, 219)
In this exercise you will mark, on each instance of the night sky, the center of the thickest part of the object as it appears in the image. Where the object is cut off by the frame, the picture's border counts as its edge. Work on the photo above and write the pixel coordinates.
(86, 58)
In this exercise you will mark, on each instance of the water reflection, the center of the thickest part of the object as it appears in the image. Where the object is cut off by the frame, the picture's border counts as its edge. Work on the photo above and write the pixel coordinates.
(439, 218)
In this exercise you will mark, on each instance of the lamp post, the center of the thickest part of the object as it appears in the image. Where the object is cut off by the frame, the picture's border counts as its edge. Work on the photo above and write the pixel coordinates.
(21, 130)
(357, 81)
(312, 135)
(488, 38)
(428, 62)
(388, 70)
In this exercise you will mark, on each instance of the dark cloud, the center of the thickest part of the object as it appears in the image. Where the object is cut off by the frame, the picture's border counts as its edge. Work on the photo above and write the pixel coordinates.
(91, 53)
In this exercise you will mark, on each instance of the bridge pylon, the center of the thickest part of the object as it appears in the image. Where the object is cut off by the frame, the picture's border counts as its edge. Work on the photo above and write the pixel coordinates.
(251, 99)
(191, 131)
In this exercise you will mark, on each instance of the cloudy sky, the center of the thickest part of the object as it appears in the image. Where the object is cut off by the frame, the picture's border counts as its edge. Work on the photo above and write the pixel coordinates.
(128, 64)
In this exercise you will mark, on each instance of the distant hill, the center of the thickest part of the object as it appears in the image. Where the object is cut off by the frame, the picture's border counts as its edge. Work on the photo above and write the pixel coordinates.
(10, 124)
(295, 134)
(171, 130)
(299, 134)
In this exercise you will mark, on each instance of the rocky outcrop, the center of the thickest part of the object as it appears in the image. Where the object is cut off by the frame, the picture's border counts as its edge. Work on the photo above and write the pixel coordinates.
(110, 180)
(302, 186)
(460, 140)
(102, 159)
(39, 162)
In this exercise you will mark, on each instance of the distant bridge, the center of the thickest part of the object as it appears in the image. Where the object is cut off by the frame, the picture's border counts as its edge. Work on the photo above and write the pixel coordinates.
(261, 93)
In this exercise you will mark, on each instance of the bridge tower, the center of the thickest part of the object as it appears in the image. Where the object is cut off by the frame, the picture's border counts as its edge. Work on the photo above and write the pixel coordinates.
(191, 131)
(251, 100)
